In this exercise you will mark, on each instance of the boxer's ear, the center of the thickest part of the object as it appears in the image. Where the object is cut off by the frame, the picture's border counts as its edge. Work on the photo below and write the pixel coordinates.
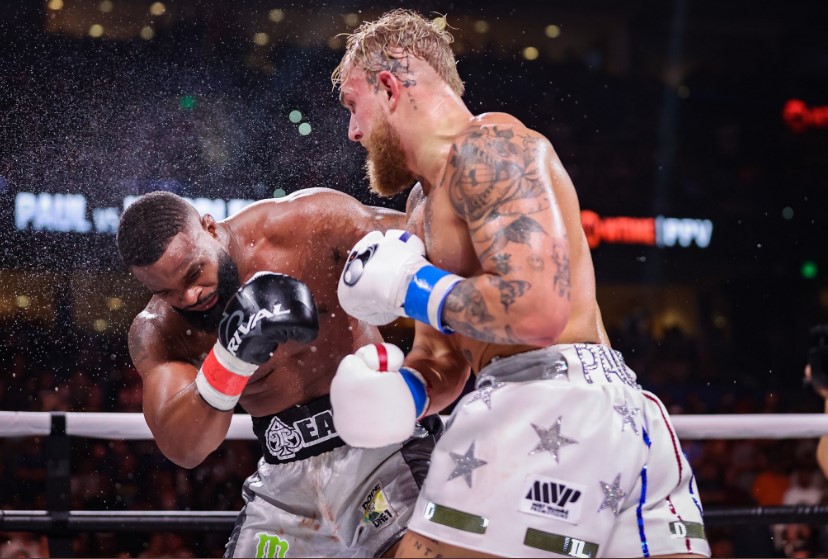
(208, 223)
(390, 86)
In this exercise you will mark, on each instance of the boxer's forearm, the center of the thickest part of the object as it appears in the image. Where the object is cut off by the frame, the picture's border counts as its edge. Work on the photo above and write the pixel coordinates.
(185, 427)
(492, 309)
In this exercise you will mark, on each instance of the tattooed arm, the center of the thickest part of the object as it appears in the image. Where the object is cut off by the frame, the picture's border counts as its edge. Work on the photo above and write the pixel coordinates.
(500, 182)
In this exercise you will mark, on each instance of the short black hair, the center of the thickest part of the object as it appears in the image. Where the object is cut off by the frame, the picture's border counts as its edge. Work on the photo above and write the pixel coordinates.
(148, 225)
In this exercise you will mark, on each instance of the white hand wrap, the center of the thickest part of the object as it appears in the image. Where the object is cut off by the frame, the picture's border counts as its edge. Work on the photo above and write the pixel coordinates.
(376, 402)
(222, 378)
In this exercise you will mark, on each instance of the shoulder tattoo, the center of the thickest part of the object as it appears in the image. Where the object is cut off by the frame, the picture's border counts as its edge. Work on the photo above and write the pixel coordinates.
(493, 175)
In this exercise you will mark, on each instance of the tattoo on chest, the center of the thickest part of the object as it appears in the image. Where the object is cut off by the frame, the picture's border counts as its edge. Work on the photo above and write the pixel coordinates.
(428, 219)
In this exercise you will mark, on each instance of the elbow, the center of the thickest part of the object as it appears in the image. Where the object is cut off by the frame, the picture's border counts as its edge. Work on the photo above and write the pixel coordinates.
(185, 460)
(543, 327)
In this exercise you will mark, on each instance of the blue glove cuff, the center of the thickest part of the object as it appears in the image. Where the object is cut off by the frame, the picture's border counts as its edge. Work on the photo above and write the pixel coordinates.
(417, 388)
(426, 295)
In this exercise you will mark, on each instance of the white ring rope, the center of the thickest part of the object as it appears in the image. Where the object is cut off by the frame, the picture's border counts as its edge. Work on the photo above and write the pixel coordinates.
(133, 426)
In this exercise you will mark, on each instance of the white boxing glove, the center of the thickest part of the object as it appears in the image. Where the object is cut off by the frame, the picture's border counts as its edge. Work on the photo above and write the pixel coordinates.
(388, 276)
(375, 400)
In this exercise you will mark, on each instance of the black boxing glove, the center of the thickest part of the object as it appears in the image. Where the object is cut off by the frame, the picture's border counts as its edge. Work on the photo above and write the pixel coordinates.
(269, 309)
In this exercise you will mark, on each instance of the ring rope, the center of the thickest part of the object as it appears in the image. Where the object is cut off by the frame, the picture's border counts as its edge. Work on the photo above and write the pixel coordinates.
(44, 521)
(133, 426)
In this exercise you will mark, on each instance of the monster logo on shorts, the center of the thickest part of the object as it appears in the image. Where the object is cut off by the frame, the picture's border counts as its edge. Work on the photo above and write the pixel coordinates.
(356, 264)
(271, 545)
(282, 441)
(376, 510)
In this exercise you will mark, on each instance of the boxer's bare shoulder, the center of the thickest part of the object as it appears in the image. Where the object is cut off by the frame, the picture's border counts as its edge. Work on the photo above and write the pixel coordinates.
(317, 213)
(158, 333)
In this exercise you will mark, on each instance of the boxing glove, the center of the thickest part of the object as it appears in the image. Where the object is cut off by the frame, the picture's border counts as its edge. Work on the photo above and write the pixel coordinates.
(387, 276)
(268, 310)
(375, 400)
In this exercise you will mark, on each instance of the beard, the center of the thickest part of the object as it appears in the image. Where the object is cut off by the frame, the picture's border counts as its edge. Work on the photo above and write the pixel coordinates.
(385, 165)
(228, 284)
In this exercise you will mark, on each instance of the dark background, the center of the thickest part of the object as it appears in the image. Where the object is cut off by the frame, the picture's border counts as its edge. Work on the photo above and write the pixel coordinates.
(669, 108)
(656, 108)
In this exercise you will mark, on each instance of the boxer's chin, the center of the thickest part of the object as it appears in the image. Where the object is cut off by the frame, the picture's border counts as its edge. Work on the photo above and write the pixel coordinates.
(228, 283)
(385, 166)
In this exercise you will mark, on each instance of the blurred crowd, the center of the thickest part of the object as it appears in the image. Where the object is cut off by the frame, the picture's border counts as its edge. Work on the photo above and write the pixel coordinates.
(96, 376)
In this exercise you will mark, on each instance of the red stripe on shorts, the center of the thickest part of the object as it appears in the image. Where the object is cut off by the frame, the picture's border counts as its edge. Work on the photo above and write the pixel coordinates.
(672, 434)
(225, 381)
(673, 510)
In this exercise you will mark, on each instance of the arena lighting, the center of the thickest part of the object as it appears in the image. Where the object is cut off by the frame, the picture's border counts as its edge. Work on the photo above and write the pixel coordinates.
(276, 16)
(552, 31)
(305, 128)
(481, 26)
(261, 39)
(799, 117)
(96, 30)
(809, 269)
(351, 20)
(295, 116)
(55, 5)
(147, 33)
(187, 102)
(157, 9)
(530, 53)
(106, 6)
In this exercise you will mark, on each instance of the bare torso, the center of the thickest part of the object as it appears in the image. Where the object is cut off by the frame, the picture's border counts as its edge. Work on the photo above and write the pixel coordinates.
(301, 238)
(449, 246)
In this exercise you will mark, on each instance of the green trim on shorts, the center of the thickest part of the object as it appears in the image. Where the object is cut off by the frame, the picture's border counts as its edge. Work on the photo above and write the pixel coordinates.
(693, 530)
(557, 543)
(457, 519)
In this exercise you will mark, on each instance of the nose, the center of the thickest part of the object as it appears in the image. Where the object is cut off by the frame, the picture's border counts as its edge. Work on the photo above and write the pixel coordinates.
(354, 133)
(189, 297)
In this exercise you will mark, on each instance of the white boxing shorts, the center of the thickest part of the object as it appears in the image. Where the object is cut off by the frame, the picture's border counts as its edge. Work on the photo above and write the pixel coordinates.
(559, 451)
(314, 496)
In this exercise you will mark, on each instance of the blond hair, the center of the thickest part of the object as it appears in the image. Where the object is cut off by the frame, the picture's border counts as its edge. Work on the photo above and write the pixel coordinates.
(395, 30)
